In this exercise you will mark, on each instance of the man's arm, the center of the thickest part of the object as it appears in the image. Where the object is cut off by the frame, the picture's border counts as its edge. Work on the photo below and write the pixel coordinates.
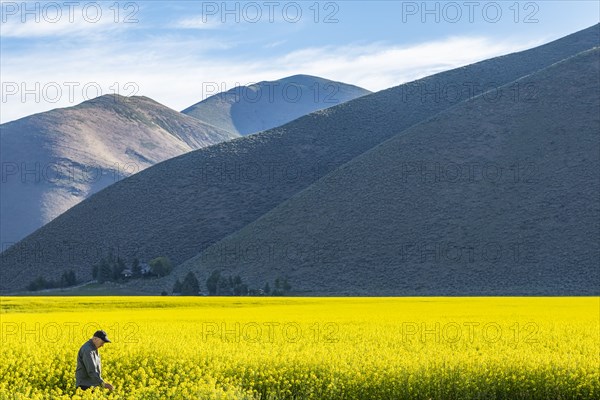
(91, 368)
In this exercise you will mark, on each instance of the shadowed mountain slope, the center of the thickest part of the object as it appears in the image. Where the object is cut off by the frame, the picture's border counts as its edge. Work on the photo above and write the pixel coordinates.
(265, 105)
(180, 207)
(496, 196)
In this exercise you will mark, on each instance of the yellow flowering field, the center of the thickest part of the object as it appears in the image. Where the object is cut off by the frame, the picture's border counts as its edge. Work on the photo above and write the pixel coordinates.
(305, 348)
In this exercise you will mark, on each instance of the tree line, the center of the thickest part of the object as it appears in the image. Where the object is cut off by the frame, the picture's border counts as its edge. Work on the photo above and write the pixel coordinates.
(112, 269)
(218, 284)
(40, 283)
(115, 269)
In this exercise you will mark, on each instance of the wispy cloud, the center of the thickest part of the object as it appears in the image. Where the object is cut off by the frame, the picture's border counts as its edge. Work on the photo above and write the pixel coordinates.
(272, 45)
(49, 20)
(64, 27)
(379, 66)
(197, 22)
(176, 71)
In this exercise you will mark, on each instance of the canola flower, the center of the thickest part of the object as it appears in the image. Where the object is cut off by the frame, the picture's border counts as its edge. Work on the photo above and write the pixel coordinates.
(305, 348)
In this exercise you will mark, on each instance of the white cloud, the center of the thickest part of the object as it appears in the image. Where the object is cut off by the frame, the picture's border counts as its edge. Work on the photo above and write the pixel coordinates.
(274, 44)
(55, 19)
(378, 66)
(33, 29)
(198, 22)
(176, 72)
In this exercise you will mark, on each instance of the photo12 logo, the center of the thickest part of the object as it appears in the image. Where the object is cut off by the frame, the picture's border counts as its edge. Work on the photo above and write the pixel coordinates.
(469, 332)
(54, 92)
(269, 332)
(469, 11)
(271, 92)
(72, 12)
(63, 172)
(69, 331)
(269, 11)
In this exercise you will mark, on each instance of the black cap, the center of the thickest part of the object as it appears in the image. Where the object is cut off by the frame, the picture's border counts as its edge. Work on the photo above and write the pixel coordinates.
(102, 335)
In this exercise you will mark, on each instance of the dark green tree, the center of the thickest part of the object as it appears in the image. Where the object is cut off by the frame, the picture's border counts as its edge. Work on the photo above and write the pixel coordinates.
(118, 268)
(115, 273)
(177, 286)
(224, 286)
(190, 285)
(136, 268)
(104, 271)
(212, 282)
(68, 279)
(286, 286)
(38, 283)
(161, 266)
(239, 287)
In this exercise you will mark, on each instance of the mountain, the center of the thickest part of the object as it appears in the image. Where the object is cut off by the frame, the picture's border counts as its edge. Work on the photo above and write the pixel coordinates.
(53, 160)
(180, 207)
(269, 104)
(496, 196)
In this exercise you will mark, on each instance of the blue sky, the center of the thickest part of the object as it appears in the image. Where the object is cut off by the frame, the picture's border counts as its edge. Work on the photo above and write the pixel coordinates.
(57, 54)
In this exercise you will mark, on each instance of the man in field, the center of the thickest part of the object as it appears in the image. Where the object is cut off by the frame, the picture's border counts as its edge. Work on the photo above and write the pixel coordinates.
(89, 369)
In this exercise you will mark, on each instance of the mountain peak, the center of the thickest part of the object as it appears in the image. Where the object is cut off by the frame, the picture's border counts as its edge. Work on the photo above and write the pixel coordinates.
(269, 104)
(88, 146)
